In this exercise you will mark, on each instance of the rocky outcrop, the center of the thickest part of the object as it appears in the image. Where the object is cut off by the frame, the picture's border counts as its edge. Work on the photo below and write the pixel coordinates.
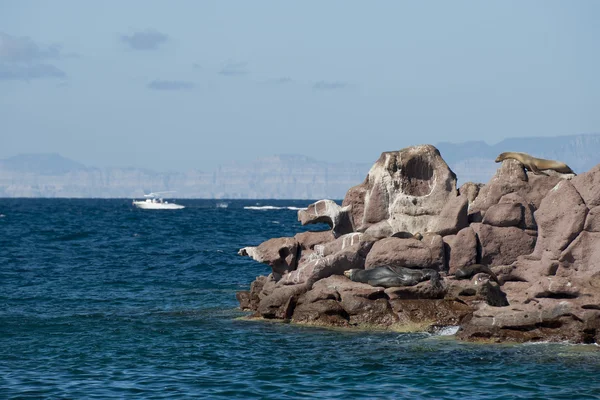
(532, 241)
(412, 190)
(327, 211)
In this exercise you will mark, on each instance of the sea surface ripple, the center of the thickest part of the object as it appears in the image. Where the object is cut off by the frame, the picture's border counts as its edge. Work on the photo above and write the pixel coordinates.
(102, 300)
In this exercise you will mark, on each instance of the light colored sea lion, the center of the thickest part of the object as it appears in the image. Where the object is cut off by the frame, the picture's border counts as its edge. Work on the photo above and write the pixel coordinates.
(536, 165)
(469, 271)
(387, 276)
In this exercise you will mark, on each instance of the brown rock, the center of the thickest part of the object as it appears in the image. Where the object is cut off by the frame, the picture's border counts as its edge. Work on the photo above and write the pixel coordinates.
(249, 299)
(425, 314)
(581, 259)
(281, 302)
(475, 290)
(560, 218)
(532, 322)
(337, 301)
(512, 178)
(410, 253)
(461, 249)
(471, 190)
(592, 221)
(504, 214)
(355, 198)
(341, 243)
(308, 240)
(588, 186)
(409, 188)
(323, 313)
(501, 246)
(280, 254)
(329, 212)
(334, 264)
(527, 219)
(422, 290)
(453, 216)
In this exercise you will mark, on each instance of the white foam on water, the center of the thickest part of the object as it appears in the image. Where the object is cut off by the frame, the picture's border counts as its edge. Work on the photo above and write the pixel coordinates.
(447, 330)
(263, 208)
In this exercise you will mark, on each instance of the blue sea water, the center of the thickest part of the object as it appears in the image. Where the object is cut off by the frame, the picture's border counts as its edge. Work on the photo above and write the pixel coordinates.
(102, 300)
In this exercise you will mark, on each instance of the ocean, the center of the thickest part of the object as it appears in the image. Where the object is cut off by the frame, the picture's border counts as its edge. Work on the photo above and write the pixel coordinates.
(102, 300)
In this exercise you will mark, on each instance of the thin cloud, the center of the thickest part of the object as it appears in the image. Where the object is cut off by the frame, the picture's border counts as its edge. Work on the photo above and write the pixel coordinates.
(158, 84)
(146, 40)
(325, 85)
(17, 72)
(232, 68)
(23, 49)
(22, 59)
(280, 81)
(196, 66)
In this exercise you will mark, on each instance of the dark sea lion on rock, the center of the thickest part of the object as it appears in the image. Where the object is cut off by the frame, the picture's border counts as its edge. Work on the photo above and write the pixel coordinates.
(407, 235)
(387, 276)
(536, 165)
(468, 271)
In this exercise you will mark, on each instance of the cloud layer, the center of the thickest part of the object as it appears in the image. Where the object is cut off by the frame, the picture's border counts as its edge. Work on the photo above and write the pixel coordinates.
(324, 85)
(159, 84)
(233, 68)
(23, 59)
(13, 72)
(146, 40)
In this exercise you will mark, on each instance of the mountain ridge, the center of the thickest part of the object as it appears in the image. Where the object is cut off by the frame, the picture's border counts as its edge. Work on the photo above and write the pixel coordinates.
(279, 176)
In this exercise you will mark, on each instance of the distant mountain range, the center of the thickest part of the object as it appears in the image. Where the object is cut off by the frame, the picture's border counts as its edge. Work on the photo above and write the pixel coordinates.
(277, 177)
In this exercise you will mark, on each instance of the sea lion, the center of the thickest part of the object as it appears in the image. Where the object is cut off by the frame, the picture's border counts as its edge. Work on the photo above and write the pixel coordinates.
(387, 276)
(536, 165)
(408, 235)
(468, 271)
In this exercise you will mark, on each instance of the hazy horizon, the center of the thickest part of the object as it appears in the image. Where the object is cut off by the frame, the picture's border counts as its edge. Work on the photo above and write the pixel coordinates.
(147, 84)
(285, 155)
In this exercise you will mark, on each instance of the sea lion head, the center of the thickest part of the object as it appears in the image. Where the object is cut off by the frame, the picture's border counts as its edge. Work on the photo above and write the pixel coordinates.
(349, 273)
(501, 157)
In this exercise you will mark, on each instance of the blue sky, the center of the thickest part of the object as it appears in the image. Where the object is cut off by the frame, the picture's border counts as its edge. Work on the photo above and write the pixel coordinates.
(191, 84)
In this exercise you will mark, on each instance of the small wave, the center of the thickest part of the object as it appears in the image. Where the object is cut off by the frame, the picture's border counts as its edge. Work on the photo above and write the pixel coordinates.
(447, 330)
(222, 205)
(2, 215)
(73, 236)
(264, 208)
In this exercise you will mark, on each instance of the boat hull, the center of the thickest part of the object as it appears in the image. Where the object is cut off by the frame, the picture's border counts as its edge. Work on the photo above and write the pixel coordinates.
(157, 206)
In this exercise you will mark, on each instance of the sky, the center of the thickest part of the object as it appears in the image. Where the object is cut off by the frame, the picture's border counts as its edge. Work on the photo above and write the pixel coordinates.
(193, 84)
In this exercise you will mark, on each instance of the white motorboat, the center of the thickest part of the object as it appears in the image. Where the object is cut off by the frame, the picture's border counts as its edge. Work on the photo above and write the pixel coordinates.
(154, 201)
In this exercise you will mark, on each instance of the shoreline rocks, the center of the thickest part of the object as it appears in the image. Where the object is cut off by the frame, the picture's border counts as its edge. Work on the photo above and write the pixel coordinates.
(538, 236)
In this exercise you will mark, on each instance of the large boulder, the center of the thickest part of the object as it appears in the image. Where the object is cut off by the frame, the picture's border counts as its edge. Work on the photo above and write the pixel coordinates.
(280, 254)
(281, 302)
(499, 246)
(588, 186)
(308, 240)
(511, 177)
(338, 301)
(560, 218)
(461, 249)
(410, 253)
(319, 267)
(410, 189)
